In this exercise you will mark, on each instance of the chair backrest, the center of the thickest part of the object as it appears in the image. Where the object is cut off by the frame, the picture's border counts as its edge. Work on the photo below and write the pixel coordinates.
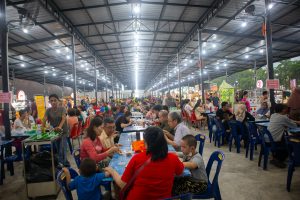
(74, 129)
(235, 127)
(79, 129)
(252, 129)
(218, 124)
(293, 149)
(76, 155)
(61, 180)
(217, 156)
(181, 197)
(201, 138)
(265, 134)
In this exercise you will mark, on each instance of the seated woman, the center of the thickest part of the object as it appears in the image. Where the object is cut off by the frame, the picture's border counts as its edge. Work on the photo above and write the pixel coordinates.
(72, 118)
(22, 123)
(198, 109)
(242, 115)
(91, 146)
(154, 169)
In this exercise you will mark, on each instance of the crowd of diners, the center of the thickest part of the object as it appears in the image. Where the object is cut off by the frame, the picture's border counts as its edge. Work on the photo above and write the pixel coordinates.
(159, 167)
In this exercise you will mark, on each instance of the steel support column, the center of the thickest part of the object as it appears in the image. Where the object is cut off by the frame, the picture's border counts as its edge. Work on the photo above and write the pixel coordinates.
(62, 90)
(201, 65)
(74, 68)
(96, 81)
(112, 86)
(179, 78)
(168, 78)
(269, 54)
(4, 67)
(106, 85)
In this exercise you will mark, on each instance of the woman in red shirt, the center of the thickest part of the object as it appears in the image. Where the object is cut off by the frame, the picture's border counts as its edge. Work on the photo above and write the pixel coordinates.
(91, 146)
(155, 180)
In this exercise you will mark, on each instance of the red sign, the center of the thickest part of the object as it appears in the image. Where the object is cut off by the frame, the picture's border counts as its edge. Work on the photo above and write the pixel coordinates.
(5, 97)
(259, 84)
(272, 84)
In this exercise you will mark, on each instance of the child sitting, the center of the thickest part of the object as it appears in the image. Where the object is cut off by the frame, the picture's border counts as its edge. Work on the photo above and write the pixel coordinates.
(88, 183)
(193, 161)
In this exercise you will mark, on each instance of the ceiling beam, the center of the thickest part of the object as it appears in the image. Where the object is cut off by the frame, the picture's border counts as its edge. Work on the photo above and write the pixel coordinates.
(126, 3)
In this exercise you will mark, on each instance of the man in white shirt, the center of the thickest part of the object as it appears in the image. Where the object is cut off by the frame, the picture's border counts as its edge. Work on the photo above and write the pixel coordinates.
(188, 108)
(175, 121)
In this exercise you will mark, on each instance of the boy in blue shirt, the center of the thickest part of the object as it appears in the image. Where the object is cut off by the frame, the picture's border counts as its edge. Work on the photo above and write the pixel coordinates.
(88, 183)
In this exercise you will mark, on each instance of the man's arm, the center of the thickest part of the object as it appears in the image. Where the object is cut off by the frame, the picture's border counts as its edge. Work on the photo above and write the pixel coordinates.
(168, 134)
(68, 176)
(190, 165)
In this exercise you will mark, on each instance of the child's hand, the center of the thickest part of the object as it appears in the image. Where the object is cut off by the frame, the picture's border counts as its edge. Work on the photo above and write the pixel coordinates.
(65, 170)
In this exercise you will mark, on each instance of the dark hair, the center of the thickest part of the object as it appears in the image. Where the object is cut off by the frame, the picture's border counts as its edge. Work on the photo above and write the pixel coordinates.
(128, 114)
(208, 100)
(108, 120)
(54, 96)
(278, 108)
(122, 108)
(156, 142)
(175, 116)
(23, 111)
(81, 107)
(190, 140)
(165, 107)
(72, 112)
(157, 107)
(97, 121)
(88, 167)
(224, 103)
(197, 104)
(245, 93)
(114, 109)
(265, 92)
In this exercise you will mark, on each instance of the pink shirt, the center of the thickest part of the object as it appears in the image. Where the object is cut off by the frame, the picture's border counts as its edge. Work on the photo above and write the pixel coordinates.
(247, 103)
(92, 149)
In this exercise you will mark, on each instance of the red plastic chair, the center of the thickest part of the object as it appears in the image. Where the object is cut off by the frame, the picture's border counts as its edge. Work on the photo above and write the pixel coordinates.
(79, 132)
(73, 135)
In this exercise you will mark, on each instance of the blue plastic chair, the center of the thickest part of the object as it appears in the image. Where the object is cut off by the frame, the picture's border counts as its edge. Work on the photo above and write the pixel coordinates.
(201, 138)
(210, 124)
(252, 139)
(294, 159)
(76, 156)
(219, 133)
(236, 129)
(9, 160)
(265, 149)
(60, 178)
(213, 190)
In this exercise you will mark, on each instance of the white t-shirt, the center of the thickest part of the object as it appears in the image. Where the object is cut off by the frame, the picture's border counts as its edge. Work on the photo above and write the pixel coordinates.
(18, 125)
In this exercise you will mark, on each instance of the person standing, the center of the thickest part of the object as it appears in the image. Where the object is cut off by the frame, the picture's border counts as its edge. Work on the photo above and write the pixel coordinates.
(56, 116)
(215, 99)
(294, 104)
(34, 109)
(247, 102)
(264, 98)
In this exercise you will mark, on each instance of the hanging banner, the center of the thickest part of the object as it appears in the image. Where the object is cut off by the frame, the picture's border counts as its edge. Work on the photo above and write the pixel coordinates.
(272, 84)
(40, 104)
(21, 95)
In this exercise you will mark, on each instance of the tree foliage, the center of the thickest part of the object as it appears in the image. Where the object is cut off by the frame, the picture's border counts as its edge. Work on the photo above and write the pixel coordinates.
(285, 71)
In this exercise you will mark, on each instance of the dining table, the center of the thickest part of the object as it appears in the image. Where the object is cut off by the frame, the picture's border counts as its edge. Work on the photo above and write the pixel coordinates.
(259, 120)
(120, 161)
(290, 130)
(134, 128)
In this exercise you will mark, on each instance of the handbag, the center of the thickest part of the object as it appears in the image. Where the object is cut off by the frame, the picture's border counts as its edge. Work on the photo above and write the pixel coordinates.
(124, 192)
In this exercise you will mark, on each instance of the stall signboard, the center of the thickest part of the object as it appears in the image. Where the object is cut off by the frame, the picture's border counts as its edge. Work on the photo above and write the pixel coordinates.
(226, 92)
(5, 97)
(293, 84)
(272, 84)
(259, 84)
(40, 104)
(21, 95)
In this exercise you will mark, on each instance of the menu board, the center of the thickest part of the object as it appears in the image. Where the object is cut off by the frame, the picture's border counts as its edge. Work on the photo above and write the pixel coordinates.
(40, 104)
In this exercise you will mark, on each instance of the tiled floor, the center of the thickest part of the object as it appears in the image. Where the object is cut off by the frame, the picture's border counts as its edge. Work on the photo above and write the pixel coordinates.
(239, 179)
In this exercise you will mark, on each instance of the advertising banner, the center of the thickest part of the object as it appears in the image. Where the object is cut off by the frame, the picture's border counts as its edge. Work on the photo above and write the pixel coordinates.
(40, 104)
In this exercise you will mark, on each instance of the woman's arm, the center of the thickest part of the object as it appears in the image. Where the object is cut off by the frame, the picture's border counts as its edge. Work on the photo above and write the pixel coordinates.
(116, 177)
(92, 153)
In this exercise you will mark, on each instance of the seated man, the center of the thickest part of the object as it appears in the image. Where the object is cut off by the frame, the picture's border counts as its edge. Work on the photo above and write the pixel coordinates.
(123, 121)
(163, 119)
(175, 122)
(263, 111)
(193, 161)
(223, 114)
(279, 121)
(108, 134)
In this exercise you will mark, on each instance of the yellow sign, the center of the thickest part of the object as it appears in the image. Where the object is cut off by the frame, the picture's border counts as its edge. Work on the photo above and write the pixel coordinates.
(40, 104)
